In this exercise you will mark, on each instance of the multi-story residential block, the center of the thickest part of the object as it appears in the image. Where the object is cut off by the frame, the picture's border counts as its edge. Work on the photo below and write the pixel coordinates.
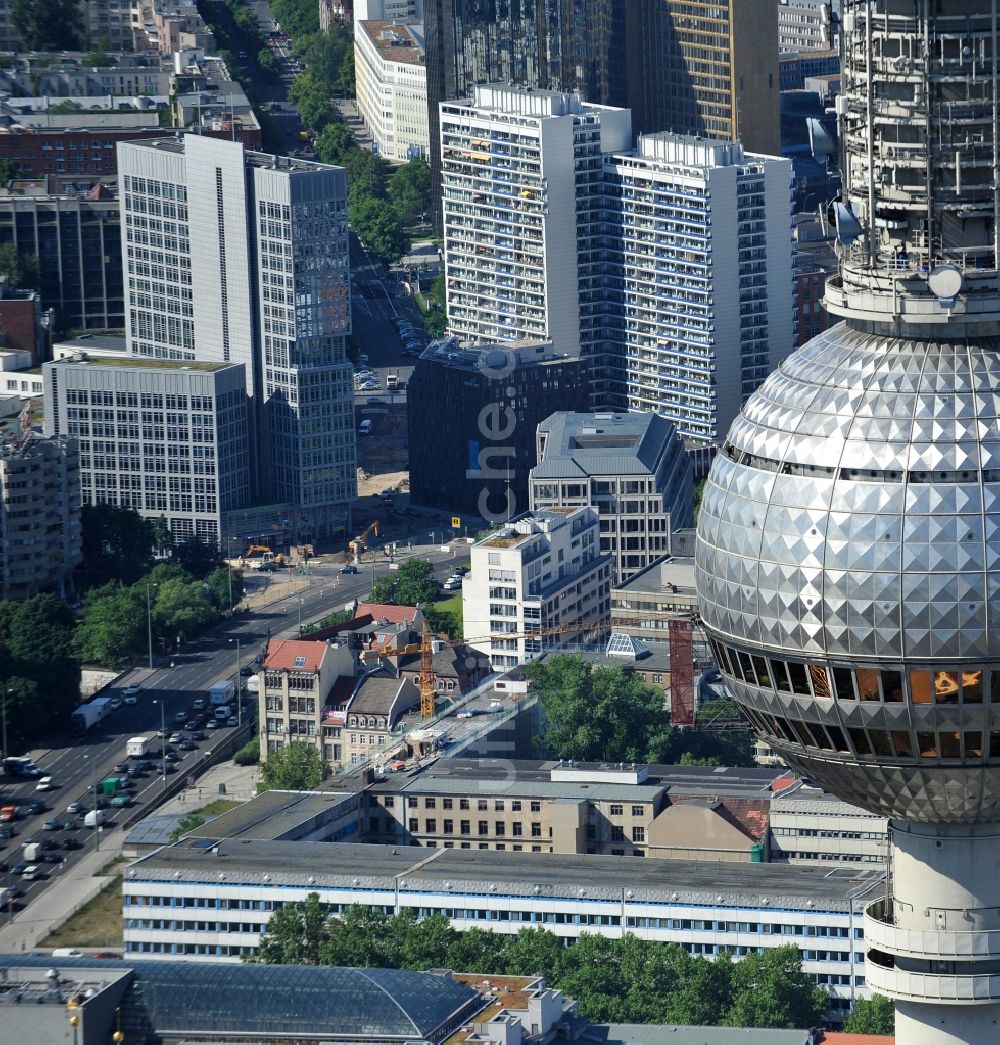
(215, 900)
(701, 279)
(520, 175)
(387, 10)
(76, 236)
(706, 68)
(374, 711)
(644, 604)
(392, 86)
(806, 25)
(473, 458)
(296, 682)
(239, 256)
(39, 513)
(168, 438)
(537, 583)
(810, 826)
(631, 468)
(114, 24)
(177, 26)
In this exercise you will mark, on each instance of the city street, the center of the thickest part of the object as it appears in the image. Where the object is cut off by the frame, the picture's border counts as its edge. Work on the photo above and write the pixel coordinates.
(74, 762)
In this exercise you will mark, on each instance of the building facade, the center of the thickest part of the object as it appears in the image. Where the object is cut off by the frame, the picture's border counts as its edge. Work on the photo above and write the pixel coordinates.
(215, 902)
(699, 306)
(169, 439)
(631, 468)
(233, 256)
(77, 240)
(473, 458)
(537, 583)
(391, 92)
(519, 170)
(806, 25)
(809, 826)
(39, 514)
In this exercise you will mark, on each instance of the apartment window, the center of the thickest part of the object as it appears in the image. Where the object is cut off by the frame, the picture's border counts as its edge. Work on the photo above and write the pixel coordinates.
(516, 807)
(449, 827)
(501, 847)
(617, 810)
(536, 807)
(390, 801)
(498, 805)
(430, 803)
(501, 828)
(536, 848)
(484, 845)
(484, 827)
(431, 826)
(638, 810)
(482, 805)
(638, 834)
(536, 829)
(617, 833)
(463, 803)
(464, 827)
(517, 828)
(446, 803)
(411, 801)
(414, 824)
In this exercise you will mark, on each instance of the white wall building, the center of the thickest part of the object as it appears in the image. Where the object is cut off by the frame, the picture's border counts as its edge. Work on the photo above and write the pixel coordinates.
(701, 301)
(391, 76)
(520, 253)
(540, 572)
(387, 10)
(805, 25)
(234, 256)
(810, 826)
(214, 902)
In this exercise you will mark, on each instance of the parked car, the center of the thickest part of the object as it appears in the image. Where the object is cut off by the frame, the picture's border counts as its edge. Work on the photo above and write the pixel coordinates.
(107, 956)
(461, 570)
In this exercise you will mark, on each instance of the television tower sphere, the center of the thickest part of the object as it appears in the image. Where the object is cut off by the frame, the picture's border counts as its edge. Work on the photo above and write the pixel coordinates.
(848, 553)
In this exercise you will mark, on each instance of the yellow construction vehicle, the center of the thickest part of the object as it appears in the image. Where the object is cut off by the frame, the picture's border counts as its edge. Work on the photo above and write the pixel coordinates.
(360, 544)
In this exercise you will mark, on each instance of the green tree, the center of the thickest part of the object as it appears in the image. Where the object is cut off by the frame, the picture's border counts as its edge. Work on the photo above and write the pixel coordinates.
(268, 63)
(297, 934)
(182, 608)
(598, 714)
(48, 25)
(875, 1015)
(198, 558)
(99, 58)
(771, 990)
(20, 270)
(410, 189)
(116, 543)
(296, 767)
(411, 584)
(378, 225)
(323, 55)
(345, 83)
(477, 950)
(297, 17)
(187, 823)
(367, 177)
(700, 989)
(360, 938)
(312, 99)
(589, 972)
(163, 539)
(420, 944)
(249, 754)
(113, 625)
(532, 950)
(335, 142)
(220, 583)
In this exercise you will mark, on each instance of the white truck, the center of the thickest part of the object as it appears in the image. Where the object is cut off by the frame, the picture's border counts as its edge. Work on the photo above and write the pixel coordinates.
(137, 747)
(222, 692)
(32, 852)
(94, 818)
(88, 715)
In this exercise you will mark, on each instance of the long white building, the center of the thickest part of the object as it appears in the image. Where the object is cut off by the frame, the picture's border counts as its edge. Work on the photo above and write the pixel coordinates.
(700, 306)
(240, 257)
(391, 74)
(543, 571)
(519, 252)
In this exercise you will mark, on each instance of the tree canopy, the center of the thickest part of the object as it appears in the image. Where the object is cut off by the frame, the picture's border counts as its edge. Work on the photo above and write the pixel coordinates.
(625, 980)
(380, 226)
(296, 767)
(605, 714)
(20, 270)
(411, 584)
(48, 25)
(312, 98)
(875, 1015)
(117, 543)
(410, 189)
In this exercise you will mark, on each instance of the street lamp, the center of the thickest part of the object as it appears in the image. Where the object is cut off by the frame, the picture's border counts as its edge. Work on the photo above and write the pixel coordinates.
(93, 795)
(239, 680)
(163, 741)
(149, 621)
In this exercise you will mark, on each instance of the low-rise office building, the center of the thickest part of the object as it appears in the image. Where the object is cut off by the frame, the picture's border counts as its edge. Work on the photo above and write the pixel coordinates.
(537, 583)
(631, 468)
(810, 826)
(213, 901)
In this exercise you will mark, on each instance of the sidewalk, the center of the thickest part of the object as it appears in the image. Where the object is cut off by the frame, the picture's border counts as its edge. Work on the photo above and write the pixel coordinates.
(80, 883)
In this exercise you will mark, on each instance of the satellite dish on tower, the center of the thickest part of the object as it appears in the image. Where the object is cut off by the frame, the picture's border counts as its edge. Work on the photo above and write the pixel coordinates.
(945, 282)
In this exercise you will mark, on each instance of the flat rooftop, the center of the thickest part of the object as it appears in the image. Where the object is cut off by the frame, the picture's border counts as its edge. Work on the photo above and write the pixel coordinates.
(658, 576)
(569, 877)
(94, 342)
(396, 41)
(274, 814)
(142, 363)
(253, 159)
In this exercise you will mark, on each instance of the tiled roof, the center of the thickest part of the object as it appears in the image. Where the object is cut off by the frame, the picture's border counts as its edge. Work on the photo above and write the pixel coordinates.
(294, 655)
(380, 611)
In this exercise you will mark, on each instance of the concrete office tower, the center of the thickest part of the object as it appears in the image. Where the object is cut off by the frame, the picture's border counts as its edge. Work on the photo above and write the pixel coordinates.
(631, 468)
(700, 285)
(521, 173)
(235, 256)
(169, 439)
(848, 541)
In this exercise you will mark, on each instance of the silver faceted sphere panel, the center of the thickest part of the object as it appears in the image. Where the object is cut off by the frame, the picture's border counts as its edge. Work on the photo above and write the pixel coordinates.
(848, 567)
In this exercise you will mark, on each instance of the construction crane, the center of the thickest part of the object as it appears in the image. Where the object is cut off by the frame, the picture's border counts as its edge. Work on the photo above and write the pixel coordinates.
(360, 544)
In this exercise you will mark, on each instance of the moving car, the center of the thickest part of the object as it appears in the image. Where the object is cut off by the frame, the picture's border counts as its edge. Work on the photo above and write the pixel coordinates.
(45, 784)
(349, 569)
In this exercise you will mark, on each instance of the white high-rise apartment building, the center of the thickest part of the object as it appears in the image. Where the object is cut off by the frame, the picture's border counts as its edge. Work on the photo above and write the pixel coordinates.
(240, 257)
(542, 572)
(700, 298)
(520, 172)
